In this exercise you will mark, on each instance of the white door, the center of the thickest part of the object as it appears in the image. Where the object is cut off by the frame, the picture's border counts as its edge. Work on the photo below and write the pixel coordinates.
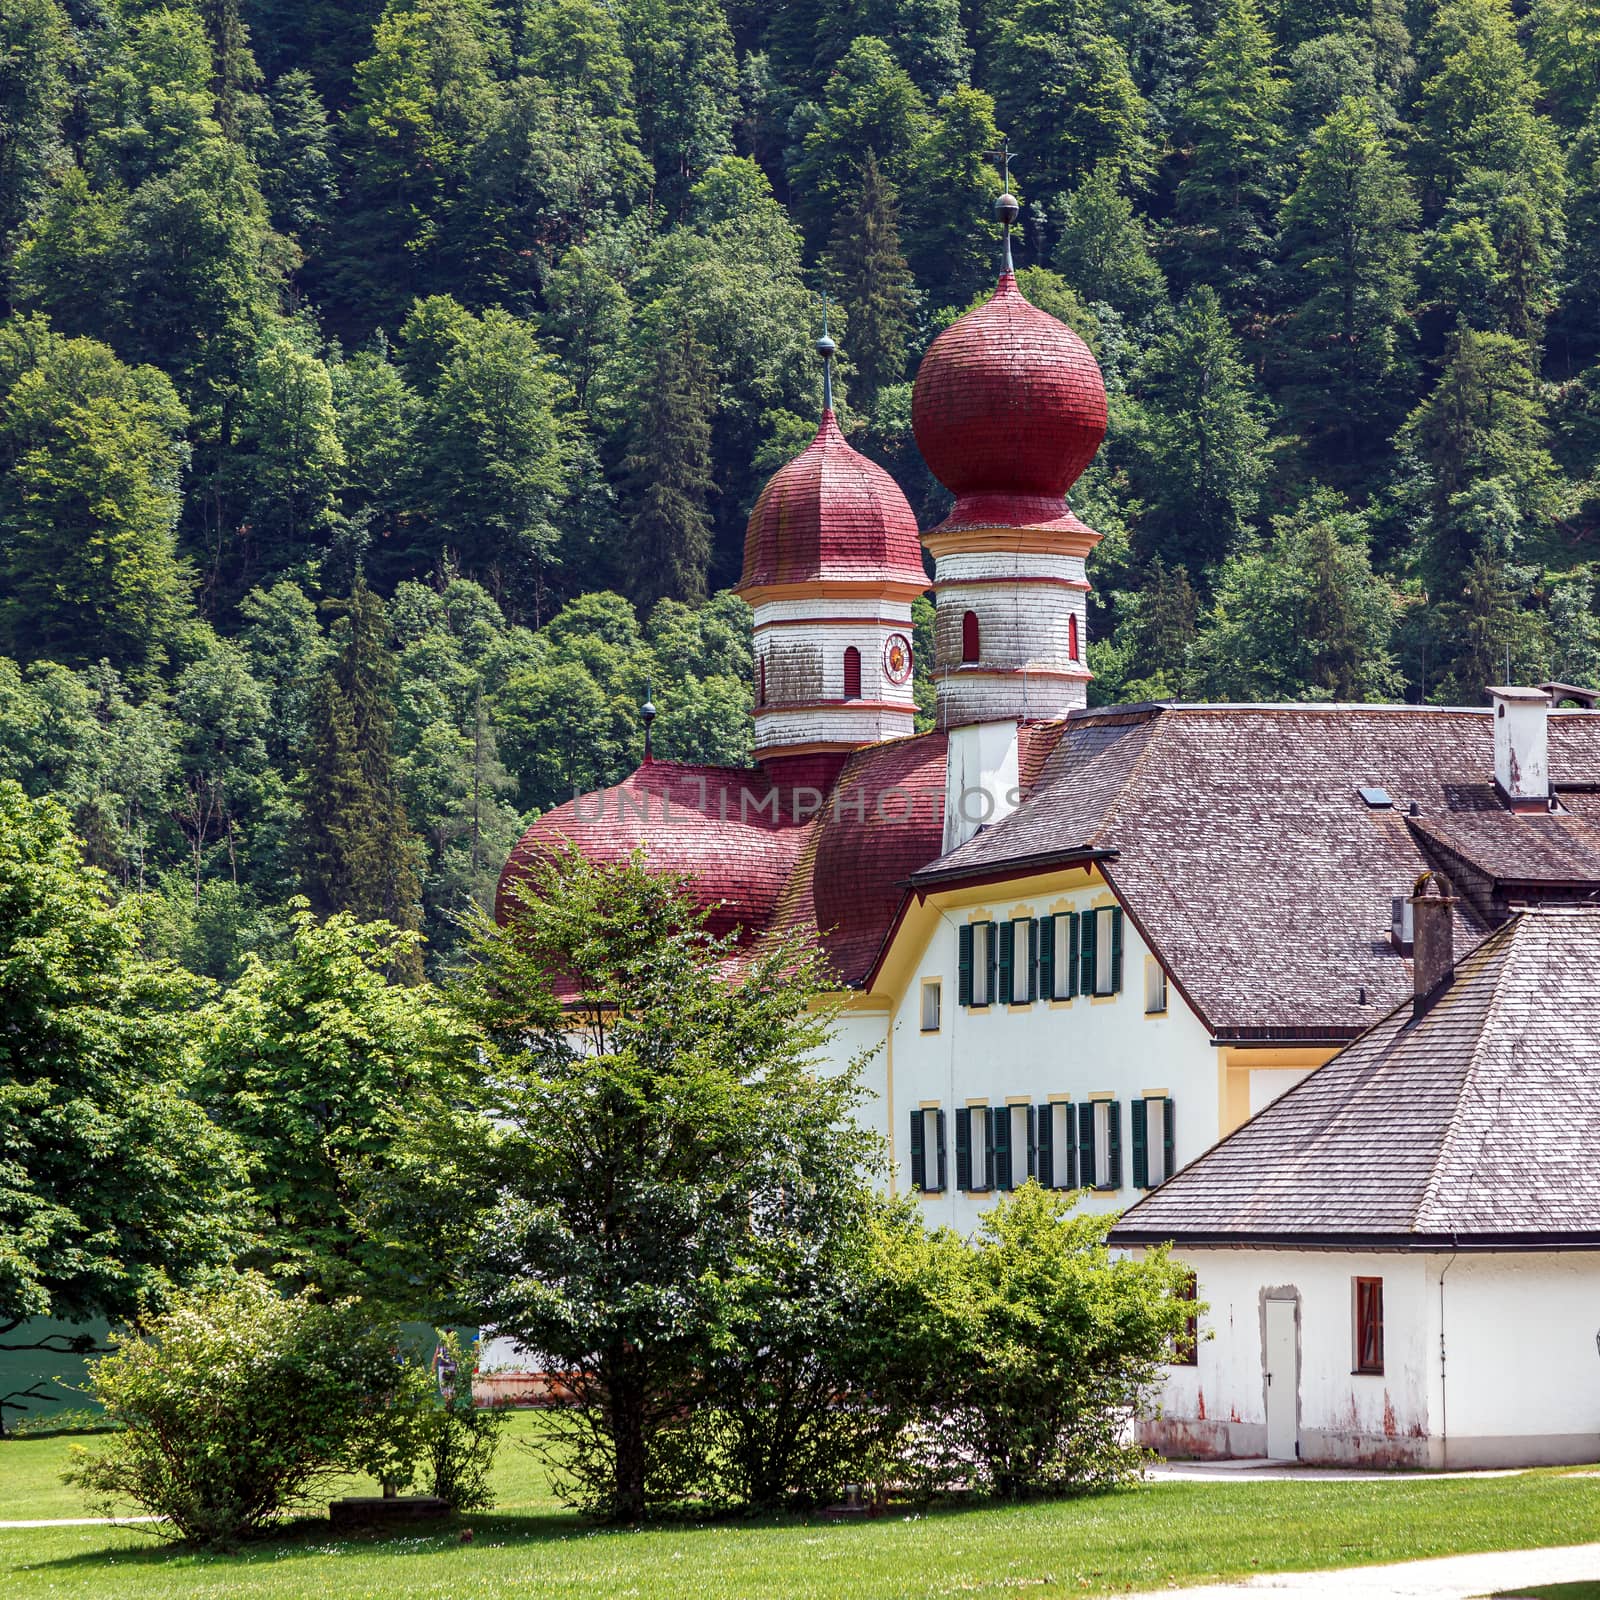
(1283, 1382)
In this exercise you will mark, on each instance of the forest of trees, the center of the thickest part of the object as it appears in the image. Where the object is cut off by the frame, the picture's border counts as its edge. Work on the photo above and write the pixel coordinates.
(384, 387)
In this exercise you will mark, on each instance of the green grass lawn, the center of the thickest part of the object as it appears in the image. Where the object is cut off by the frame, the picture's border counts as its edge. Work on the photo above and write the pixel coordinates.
(1140, 1538)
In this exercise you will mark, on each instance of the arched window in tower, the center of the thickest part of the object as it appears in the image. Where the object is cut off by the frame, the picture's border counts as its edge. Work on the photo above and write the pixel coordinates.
(969, 636)
(852, 673)
(761, 682)
(1072, 638)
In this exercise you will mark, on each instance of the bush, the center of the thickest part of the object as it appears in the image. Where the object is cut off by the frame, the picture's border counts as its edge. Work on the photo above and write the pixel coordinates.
(1023, 1359)
(460, 1439)
(236, 1406)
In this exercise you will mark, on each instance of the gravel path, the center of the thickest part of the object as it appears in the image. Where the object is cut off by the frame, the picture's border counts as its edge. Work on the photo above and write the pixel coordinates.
(1505, 1572)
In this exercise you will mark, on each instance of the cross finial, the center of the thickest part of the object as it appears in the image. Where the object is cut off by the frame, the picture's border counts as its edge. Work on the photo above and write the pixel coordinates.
(1006, 207)
(826, 348)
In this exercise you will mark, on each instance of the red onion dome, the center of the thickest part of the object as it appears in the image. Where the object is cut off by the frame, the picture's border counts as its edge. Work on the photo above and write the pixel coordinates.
(717, 823)
(831, 513)
(1009, 402)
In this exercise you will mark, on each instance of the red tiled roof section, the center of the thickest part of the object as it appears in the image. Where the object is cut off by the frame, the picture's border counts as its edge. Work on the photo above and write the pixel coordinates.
(884, 820)
(728, 827)
(1009, 407)
(831, 514)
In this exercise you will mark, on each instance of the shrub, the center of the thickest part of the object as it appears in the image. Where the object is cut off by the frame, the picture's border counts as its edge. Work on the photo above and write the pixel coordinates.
(1024, 1358)
(236, 1406)
(460, 1439)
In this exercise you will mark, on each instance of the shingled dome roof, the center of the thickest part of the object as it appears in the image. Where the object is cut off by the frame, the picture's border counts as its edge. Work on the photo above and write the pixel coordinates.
(832, 514)
(1009, 408)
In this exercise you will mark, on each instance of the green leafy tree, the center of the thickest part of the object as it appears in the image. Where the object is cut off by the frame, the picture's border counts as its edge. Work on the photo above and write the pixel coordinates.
(1349, 241)
(1564, 42)
(1103, 251)
(669, 475)
(1063, 91)
(287, 652)
(871, 280)
(299, 174)
(304, 1059)
(90, 497)
(951, 237)
(116, 1187)
(639, 1130)
(1301, 617)
(357, 850)
(1197, 440)
(1232, 185)
(38, 47)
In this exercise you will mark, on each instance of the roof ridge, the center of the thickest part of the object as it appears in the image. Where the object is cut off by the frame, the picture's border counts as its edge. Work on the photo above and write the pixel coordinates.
(1499, 945)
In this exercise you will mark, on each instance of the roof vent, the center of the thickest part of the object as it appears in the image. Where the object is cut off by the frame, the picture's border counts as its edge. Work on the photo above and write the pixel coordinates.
(1375, 797)
(1522, 747)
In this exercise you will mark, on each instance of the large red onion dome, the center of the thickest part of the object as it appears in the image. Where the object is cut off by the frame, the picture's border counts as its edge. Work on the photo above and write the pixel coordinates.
(1009, 407)
(831, 514)
(719, 824)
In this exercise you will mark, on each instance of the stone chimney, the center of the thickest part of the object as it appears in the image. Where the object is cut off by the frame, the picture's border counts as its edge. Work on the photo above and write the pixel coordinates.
(1522, 747)
(1433, 956)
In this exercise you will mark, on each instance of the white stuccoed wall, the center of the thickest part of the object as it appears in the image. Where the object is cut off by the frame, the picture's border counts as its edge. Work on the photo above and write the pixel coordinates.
(1520, 1381)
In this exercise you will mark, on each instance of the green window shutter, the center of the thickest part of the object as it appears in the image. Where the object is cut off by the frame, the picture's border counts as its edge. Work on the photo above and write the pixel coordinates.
(1067, 1173)
(1116, 950)
(989, 944)
(1086, 1144)
(1140, 1120)
(1088, 945)
(1169, 1163)
(1044, 1137)
(964, 977)
(1008, 949)
(918, 1166)
(1074, 933)
(1114, 1145)
(1033, 959)
(1000, 1138)
(942, 1179)
(1047, 957)
(986, 1133)
(1033, 1144)
(963, 1148)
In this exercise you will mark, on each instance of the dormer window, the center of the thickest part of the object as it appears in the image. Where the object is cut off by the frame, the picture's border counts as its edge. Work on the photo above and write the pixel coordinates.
(969, 636)
(852, 673)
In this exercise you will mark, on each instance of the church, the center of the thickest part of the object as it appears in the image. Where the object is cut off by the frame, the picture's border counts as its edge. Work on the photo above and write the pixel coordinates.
(1085, 943)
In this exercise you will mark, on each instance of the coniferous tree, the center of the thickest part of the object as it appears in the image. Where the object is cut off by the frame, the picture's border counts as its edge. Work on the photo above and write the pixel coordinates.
(1234, 118)
(669, 475)
(870, 277)
(37, 45)
(358, 853)
(1349, 246)
(1103, 252)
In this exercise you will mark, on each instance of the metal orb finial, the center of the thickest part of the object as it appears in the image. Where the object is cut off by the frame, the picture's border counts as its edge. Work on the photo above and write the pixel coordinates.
(827, 349)
(1006, 207)
(647, 714)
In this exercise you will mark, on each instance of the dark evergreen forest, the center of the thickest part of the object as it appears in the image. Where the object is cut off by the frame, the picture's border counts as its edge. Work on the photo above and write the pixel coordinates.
(383, 388)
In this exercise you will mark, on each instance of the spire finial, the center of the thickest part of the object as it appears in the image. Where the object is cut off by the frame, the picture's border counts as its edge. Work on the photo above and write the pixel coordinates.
(1006, 207)
(647, 714)
(827, 349)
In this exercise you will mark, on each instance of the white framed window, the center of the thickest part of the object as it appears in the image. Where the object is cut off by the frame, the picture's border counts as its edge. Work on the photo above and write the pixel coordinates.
(931, 994)
(1064, 952)
(982, 962)
(1105, 975)
(1155, 987)
(927, 1149)
(1023, 959)
(1102, 1144)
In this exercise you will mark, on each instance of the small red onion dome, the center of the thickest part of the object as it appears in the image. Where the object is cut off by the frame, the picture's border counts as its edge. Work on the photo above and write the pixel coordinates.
(1009, 407)
(832, 514)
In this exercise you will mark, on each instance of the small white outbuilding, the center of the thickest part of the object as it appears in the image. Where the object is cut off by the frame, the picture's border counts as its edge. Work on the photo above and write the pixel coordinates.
(1399, 1260)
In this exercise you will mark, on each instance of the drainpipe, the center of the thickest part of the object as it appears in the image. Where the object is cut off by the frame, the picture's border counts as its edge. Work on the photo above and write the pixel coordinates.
(1444, 1396)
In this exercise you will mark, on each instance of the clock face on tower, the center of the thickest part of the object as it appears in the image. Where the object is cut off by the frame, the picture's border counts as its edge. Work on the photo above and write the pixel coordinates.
(897, 658)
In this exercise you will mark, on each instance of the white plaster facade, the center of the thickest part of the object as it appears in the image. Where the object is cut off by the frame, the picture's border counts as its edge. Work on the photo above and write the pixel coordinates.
(1489, 1359)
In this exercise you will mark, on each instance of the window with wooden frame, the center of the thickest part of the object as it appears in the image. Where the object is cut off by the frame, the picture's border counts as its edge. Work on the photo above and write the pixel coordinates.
(927, 1150)
(1186, 1347)
(852, 673)
(1017, 964)
(975, 1153)
(1155, 987)
(931, 994)
(1056, 943)
(1012, 1139)
(976, 953)
(1056, 1145)
(1100, 951)
(1100, 1144)
(1072, 639)
(1151, 1125)
(969, 637)
(1369, 1325)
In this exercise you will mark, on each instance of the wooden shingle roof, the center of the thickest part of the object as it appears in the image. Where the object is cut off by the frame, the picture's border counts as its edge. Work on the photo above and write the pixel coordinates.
(1473, 1125)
